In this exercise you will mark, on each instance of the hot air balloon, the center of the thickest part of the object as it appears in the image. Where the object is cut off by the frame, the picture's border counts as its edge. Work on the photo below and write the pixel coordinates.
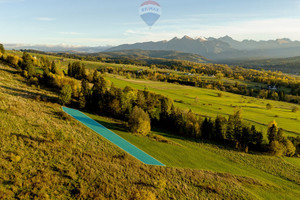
(150, 12)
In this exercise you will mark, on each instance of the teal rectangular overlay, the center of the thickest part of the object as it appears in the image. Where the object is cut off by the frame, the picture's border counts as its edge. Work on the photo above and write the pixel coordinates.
(112, 137)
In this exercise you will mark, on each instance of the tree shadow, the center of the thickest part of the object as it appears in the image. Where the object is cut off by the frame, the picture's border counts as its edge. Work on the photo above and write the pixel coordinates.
(140, 183)
(9, 71)
(113, 125)
(28, 94)
(226, 145)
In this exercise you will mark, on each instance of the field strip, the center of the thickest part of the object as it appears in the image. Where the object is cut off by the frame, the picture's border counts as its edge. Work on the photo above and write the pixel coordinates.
(112, 137)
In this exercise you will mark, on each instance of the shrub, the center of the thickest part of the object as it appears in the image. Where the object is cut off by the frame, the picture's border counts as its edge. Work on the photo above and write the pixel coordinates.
(269, 106)
(290, 149)
(14, 60)
(139, 121)
(276, 148)
(65, 95)
(295, 109)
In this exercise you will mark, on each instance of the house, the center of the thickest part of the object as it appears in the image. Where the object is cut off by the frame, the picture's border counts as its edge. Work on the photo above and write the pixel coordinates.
(272, 87)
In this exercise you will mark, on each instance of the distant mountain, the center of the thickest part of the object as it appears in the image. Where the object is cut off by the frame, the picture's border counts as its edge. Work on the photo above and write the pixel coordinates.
(260, 45)
(222, 49)
(58, 48)
(146, 54)
(202, 47)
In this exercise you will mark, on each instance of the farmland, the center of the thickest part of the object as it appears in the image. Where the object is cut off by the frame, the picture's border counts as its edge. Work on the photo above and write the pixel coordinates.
(206, 102)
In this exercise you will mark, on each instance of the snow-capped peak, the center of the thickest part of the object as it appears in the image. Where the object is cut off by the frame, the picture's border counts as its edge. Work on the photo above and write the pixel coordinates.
(202, 39)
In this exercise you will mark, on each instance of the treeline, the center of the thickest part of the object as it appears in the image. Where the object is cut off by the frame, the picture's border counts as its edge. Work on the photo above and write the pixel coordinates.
(95, 94)
(194, 79)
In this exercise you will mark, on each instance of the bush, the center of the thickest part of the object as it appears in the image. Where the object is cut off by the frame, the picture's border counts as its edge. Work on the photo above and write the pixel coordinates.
(65, 95)
(290, 149)
(295, 109)
(139, 121)
(269, 106)
(276, 148)
(14, 60)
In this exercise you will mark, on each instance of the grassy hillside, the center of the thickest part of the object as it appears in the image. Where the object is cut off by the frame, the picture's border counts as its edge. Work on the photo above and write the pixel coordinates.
(209, 104)
(178, 152)
(46, 155)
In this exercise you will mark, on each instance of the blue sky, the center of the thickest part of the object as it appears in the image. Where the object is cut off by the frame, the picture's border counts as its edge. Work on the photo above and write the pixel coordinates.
(98, 23)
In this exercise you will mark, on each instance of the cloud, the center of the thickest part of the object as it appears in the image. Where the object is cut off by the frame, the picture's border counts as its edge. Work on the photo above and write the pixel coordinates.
(70, 33)
(45, 19)
(265, 29)
(85, 41)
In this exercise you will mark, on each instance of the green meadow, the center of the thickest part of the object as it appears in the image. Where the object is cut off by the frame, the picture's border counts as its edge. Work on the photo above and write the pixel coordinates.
(177, 152)
(207, 103)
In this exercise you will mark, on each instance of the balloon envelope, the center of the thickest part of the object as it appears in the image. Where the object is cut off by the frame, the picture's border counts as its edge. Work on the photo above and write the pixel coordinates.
(150, 12)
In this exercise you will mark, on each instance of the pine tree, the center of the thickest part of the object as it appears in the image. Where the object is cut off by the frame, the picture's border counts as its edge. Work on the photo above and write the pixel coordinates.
(85, 88)
(220, 127)
(272, 131)
(70, 70)
(230, 128)
(280, 135)
(246, 138)
(82, 101)
(205, 129)
(27, 65)
(257, 136)
(83, 72)
(54, 68)
(95, 76)
(141, 101)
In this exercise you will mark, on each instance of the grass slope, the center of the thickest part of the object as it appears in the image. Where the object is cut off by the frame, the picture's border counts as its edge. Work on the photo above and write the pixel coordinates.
(209, 104)
(46, 155)
(275, 172)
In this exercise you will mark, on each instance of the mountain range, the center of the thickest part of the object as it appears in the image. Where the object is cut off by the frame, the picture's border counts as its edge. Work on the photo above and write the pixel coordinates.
(222, 49)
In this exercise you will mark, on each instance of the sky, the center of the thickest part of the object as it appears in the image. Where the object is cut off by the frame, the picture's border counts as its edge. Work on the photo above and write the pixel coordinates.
(114, 22)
